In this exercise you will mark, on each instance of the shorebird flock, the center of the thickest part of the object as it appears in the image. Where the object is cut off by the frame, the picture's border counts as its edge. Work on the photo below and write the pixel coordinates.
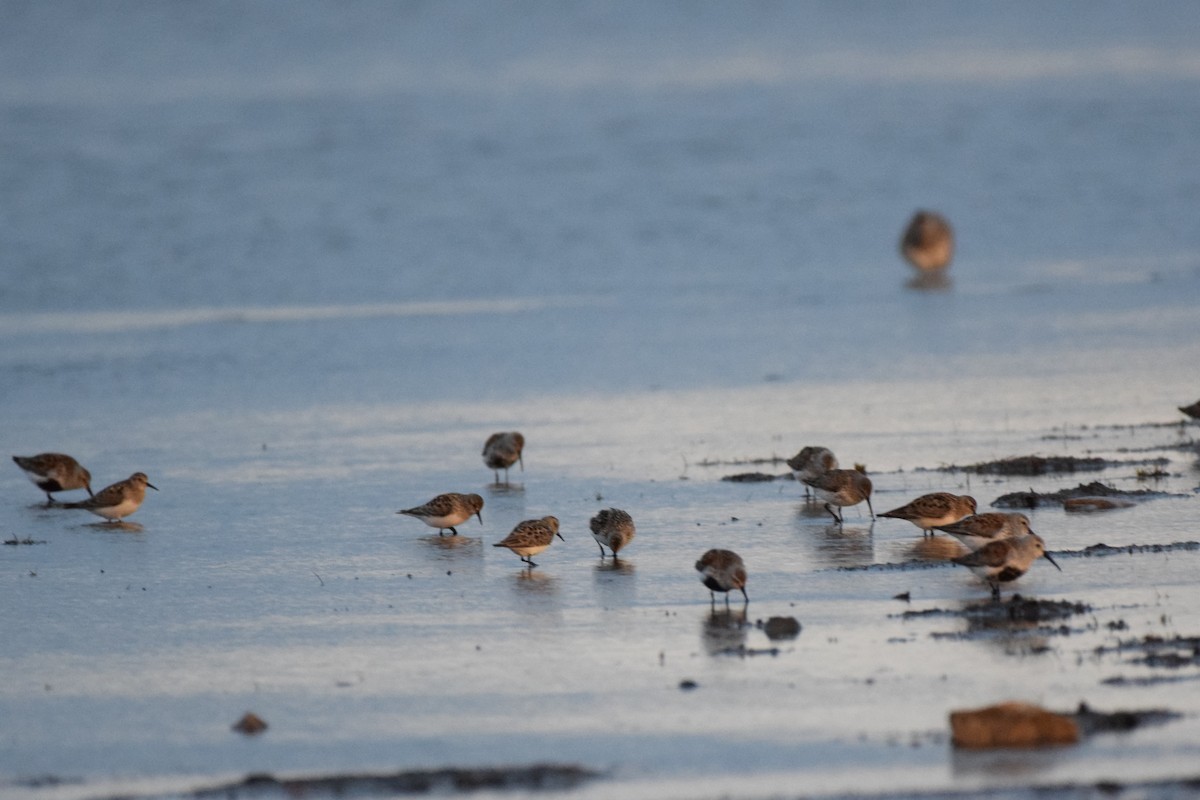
(999, 547)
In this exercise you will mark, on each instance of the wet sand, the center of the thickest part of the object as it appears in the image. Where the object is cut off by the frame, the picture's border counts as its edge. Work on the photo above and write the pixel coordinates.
(297, 268)
(416, 651)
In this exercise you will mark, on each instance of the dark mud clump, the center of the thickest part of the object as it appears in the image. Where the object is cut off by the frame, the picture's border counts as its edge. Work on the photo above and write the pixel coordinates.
(1045, 465)
(1032, 465)
(1100, 550)
(1030, 609)
(742, 651)
(411, 782)
(1172, 655)
(1095, 489)
(1158, 651)
(1015, 609)
(1017, 615)
(753, 477)
(740, 462)
(1092, 722)
(778, 628)
(16, 540)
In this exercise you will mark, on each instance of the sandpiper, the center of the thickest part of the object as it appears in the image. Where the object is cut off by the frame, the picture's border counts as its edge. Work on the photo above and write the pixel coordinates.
(502, 450)
(613, 528)
(811, 462)
(928, 242)
(841, 488)
(54, 472)
(1005, 560)
(977, 530)
(722, 571)
(931, 510)
(447, 510)
(531, 537)
(118, 501)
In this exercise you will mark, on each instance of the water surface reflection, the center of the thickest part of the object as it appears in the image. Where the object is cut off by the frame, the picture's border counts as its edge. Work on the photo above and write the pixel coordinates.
(723, 631)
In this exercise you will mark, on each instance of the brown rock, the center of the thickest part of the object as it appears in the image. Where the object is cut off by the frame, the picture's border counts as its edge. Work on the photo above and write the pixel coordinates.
(1011, 725)
(250, 724)
(1094, 504)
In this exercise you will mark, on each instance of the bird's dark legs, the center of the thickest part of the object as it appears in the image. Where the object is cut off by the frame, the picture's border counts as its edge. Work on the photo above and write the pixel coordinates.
(833, 513)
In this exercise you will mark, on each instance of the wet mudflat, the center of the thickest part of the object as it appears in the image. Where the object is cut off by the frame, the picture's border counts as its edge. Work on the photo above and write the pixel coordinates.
(298, 268)
(370, 644)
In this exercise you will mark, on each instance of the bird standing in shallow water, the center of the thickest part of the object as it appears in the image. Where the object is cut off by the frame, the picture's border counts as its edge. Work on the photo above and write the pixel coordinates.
(1005, 560)
(722, 571)
(811, 462)
(977, 530)
(531, 537)
(613, 528)
(502, 450)
(928, 242)
(447, 510)
(118, 501)
(54, 472)
(931, 510)
(841, 488)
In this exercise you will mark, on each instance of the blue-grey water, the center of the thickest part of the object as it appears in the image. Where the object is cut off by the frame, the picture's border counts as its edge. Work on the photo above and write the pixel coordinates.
(296, 261)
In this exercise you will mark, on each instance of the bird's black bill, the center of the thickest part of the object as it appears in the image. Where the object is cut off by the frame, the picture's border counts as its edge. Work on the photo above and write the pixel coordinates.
(1052, 561)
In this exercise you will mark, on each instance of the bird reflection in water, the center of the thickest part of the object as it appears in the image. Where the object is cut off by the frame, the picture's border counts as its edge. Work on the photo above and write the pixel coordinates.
(462, 554)
(930, 282)
(849, 546)
(615, 566)
(122, 525)
(454, 544)
(615, 583)
(723, 631)
(536, 582)
(936, 548)
(502, 489)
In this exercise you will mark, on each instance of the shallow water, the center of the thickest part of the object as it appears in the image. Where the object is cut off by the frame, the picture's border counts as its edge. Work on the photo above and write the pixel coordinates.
(296, 266)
